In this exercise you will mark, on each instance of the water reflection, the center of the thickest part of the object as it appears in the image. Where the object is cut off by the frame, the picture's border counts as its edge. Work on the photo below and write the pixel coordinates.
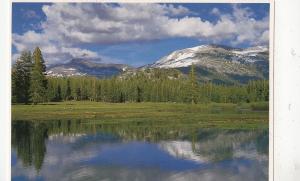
(78, 150)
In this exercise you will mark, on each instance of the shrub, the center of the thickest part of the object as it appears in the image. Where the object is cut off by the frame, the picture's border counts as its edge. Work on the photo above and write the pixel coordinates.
(260, 106)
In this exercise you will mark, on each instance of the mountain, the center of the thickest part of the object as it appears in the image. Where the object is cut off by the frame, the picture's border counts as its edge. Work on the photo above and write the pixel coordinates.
(216, 63)
(220, 63)
(82, 67)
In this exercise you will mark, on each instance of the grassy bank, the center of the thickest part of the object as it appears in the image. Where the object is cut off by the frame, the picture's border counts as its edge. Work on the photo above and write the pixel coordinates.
(173, 114)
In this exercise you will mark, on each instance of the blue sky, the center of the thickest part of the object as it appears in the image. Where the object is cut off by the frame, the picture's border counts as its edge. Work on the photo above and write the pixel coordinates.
(134, 34)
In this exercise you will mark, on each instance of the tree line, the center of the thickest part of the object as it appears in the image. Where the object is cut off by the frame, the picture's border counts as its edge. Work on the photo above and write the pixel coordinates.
(30, 85)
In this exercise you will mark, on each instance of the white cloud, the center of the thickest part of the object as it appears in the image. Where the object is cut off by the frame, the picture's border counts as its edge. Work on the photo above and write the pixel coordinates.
(264, 39)
(53, 51)
(177, 11)
(215, 11)
(68, 26)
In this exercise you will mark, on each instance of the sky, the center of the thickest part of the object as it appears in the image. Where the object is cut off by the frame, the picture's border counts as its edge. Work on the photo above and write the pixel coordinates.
(133, 34)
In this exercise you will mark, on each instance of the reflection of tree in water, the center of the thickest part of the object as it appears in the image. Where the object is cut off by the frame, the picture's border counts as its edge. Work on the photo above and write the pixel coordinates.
(28, 138)
(29, 142)
(218, 145)
(262, 142)
(151, 131)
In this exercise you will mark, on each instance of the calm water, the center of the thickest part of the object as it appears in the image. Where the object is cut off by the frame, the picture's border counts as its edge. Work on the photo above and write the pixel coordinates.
(77, 150)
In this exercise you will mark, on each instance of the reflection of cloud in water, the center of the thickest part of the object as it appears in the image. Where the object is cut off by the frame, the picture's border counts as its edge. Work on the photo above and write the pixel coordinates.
(181, 149)
(245, 163)
(69, 138)
(18, 170)
(186, 150)
(249, 154)
(241, 172)
(103, 157)
(61, 150)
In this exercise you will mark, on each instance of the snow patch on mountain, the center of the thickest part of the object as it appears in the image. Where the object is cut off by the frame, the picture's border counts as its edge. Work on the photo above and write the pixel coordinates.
(83, 67)
(207, 55)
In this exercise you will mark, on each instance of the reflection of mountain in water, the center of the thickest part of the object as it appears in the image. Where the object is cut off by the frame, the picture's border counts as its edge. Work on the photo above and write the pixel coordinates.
(29, 140)
(225, 145)
(182, 149)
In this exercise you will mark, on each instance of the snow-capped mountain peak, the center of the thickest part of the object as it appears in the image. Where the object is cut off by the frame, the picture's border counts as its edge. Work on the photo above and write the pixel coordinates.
(201, 55)
(83, 67)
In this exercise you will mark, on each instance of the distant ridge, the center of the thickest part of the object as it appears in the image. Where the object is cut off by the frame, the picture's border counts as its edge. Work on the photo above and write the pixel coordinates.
(82, 67)
(217, 63)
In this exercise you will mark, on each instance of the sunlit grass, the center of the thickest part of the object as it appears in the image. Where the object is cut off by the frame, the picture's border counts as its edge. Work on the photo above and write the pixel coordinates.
(164, 114)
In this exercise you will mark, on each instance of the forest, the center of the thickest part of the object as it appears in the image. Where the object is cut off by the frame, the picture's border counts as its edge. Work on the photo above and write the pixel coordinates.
(30, 84)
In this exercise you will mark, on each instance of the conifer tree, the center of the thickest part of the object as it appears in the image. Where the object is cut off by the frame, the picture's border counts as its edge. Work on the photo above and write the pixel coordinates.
(68, 90)
(58, 95)
(17, 82)
(14, 90)
(193, 85)
(21, 74)
(28, 65)
(139, 94)
(78, 94)
(38, 85)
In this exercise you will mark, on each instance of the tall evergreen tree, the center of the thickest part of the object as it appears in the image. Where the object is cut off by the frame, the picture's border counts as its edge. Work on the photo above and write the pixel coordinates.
(21, 75)
(58, 94)
(122, 97)
(139, 94)
(68, 90)
(193, 85)
(14, 90)
(78, 94)
(28, 65)
(38, 85)
(17, 82)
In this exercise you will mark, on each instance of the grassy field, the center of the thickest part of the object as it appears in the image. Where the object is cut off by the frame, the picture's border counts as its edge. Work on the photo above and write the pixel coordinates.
(199, 115)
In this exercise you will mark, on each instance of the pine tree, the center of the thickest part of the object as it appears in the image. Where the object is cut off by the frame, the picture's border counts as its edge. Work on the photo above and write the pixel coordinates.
(139, 94)
(38, 85)
(78, 94)
(122, 98)
(17, 82)
(58, 94)
(68, 90)
(21, 74)
(14, 97)
(28, 65)
(193, 85)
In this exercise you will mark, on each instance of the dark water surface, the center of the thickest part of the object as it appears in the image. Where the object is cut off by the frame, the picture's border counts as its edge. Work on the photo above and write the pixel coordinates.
(78, 150)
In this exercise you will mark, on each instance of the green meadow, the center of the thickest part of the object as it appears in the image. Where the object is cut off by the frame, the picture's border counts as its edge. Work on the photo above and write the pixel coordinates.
(212, 115)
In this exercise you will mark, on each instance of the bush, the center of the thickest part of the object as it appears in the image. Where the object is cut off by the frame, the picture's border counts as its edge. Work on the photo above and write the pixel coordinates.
(260, 106)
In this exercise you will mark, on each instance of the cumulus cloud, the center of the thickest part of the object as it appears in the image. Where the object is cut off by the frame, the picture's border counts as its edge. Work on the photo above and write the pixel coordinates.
(53, 52)
(264, 38)
(68, 26)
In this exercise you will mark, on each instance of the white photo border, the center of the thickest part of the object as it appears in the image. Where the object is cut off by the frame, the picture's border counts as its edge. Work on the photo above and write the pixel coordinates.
(5, 71)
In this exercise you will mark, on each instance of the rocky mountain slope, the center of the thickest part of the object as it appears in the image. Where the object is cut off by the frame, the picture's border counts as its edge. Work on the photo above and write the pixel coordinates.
(82, 67)
(219, 63)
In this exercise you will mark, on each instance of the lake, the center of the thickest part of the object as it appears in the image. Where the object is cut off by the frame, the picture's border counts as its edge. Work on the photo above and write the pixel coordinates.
(93, 150)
